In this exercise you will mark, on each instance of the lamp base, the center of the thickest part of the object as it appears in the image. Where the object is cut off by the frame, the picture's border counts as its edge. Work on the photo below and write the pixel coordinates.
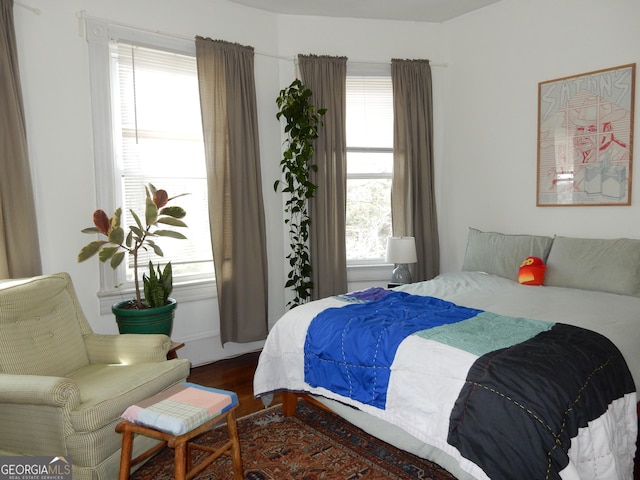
(401, 274)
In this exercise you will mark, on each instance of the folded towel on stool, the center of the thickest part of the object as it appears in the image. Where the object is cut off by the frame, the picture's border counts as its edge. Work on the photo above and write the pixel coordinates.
(181, 408)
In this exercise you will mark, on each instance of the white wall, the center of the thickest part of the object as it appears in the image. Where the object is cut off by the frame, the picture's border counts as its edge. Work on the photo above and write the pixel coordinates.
(497, 57)
(485, 115)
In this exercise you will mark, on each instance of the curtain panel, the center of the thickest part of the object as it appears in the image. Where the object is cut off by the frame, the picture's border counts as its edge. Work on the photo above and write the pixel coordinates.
(326, 77)
(413, 206)
(19, 245)
(238, 235)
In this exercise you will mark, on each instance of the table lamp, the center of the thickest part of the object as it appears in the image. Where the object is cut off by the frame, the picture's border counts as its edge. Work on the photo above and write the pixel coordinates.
(401, 251)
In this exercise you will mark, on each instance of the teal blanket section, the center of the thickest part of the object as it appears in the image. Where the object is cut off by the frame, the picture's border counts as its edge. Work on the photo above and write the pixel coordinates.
(486, 332)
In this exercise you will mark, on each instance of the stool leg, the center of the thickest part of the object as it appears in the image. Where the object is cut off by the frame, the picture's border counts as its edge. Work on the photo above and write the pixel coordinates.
(235, 445)
(180, 461)
(189, 457)
(125, 455)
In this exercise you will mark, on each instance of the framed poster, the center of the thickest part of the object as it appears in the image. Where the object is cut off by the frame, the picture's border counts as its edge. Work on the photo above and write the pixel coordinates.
(585, 138)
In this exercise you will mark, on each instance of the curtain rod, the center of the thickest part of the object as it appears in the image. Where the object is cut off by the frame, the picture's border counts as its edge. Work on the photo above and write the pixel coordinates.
(83, 14)
(364, 62)
(35, 10)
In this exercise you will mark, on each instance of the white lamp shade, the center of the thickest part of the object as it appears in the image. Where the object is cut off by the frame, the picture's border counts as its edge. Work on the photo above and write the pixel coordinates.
(401, 250)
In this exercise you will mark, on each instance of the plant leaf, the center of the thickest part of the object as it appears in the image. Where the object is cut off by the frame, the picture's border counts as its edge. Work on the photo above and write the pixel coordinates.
(90, 250)
(137, 219)
(177, 196)
(137, 231)
(157, 250)
(160, 198)
(107, 252)
(150, 212)
(117, 259)
(175, 212)
(116, 235)
(170, 233)
(101, 221)
(115, 220)
(171, 221)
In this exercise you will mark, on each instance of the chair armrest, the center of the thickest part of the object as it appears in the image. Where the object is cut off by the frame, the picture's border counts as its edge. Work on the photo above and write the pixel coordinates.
(39, 390)
(127, 348)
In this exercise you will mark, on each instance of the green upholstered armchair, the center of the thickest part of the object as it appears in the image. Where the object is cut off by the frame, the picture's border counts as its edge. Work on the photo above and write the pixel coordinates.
(62, 387)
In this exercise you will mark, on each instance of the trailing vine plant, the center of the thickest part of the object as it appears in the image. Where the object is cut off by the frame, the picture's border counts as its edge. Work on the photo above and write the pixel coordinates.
(302, 120)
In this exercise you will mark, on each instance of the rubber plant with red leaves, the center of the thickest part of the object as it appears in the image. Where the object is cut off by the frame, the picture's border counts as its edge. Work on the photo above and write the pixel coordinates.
(157, 285)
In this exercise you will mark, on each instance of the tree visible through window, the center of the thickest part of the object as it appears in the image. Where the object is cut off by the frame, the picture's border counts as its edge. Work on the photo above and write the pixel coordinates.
(369, 167)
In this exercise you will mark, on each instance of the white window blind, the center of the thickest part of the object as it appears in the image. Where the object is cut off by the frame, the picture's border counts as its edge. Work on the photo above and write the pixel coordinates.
(159, 141)
(369, 111)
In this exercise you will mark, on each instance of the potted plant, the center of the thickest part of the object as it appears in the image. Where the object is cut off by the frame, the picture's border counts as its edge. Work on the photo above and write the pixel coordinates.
(154, 311)
(302, 121)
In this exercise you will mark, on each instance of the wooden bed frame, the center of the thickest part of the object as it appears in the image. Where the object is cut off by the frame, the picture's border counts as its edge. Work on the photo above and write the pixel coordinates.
(290, 401)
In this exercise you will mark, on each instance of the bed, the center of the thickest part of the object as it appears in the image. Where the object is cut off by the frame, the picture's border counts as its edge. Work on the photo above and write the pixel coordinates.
(497, 379)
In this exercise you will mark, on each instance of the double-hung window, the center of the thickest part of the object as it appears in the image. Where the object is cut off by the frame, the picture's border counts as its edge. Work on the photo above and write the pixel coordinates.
(369, 111)
(154, 136)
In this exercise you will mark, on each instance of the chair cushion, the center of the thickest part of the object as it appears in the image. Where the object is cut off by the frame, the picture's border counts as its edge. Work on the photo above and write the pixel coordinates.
(107, 390)
(39, 330)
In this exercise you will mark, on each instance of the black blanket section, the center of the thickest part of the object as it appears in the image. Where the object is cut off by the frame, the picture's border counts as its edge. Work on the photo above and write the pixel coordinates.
(521, 405)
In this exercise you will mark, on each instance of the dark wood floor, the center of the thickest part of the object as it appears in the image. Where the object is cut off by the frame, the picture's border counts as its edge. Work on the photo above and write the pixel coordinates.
(236, 375)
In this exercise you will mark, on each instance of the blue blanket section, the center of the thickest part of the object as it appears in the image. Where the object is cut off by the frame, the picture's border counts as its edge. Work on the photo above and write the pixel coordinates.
(349, 350)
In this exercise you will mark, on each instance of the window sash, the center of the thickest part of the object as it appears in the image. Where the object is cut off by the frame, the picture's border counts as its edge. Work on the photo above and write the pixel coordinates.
(369, 136)
(103, 38)
(160, 142)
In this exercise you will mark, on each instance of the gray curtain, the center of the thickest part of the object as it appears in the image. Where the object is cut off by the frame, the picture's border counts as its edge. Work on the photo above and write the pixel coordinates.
(413, 203)
(19, 247)
(229, 117)
(326, 77)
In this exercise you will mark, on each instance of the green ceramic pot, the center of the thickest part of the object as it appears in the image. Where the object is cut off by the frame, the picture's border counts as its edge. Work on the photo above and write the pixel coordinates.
(149, 320)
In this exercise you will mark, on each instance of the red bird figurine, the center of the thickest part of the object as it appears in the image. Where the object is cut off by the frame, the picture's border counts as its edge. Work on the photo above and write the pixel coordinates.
(532, 271)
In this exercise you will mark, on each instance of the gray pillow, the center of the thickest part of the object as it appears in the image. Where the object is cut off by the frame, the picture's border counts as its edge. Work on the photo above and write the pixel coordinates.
(605, 265)
(501, 254)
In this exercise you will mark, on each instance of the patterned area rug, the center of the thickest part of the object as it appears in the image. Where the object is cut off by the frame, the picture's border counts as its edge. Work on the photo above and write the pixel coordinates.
(312, 445)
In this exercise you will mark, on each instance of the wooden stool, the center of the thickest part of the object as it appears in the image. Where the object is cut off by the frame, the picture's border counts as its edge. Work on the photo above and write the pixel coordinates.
(181, 443)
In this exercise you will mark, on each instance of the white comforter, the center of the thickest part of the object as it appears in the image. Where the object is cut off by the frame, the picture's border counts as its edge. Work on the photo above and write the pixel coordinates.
(421, 393)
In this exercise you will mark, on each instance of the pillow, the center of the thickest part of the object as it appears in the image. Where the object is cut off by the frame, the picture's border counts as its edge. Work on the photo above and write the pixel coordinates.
(605, 265)
(501, 254)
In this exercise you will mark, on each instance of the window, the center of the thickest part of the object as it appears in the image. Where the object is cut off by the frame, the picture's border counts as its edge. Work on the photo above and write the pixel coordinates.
(147, 129)
(369, 167)
(159, 137)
